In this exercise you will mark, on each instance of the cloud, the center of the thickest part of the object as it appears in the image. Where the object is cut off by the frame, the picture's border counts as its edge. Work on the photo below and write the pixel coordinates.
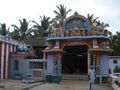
(13, 10)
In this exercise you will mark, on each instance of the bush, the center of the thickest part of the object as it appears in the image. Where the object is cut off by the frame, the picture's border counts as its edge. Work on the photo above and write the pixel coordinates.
(117, 69)
(105, 80)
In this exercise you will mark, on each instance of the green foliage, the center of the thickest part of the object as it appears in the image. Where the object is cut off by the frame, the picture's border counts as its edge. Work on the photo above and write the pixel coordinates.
(15, 34)
(115, 44)
(45, 21)
(41, 28)
(21, 33)
(94, 22)
(91, 18)
(61, 14)
(104, 79)
(117, 69)
(102, 24)
(3, 30)
(24, 32)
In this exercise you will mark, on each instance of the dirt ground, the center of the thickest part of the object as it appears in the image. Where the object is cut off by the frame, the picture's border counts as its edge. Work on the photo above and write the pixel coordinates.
(15, 85)
(64, 85)
(69, 85)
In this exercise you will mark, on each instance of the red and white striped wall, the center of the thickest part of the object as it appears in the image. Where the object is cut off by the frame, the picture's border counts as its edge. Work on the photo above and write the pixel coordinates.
(5, 49)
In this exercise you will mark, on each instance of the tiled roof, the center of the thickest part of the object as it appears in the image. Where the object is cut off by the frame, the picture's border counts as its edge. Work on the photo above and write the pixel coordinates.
(37, 42)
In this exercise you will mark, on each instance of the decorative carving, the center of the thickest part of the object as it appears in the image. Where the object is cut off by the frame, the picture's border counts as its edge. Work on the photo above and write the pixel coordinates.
(77, 25)
(56, 57)
(76, 13)
(22, 48)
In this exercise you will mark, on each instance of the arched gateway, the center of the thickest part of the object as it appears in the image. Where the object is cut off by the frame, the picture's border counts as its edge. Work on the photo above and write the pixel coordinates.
(74, 47)
(74, 60)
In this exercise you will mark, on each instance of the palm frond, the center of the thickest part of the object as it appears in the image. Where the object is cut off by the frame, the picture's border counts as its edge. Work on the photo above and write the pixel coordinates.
(36, 23)
(13, 25)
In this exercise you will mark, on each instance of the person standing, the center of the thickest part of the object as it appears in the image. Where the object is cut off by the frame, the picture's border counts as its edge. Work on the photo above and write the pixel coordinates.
(91, 78)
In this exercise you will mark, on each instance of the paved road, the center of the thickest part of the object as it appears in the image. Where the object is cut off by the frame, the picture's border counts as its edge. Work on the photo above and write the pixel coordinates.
(69, 85)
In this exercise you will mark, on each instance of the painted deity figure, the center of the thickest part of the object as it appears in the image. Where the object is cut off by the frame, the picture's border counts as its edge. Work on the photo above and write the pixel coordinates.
(67, 33)
(22, 48)
(76, 24)
(78, 33)
(79, 24)
(86, 32)
(94, 32)
(105, 32)
(81, 32)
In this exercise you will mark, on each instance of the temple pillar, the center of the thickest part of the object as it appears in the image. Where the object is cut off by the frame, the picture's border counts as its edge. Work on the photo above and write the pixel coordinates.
(104, 69)
(54, 57)
(89, 59)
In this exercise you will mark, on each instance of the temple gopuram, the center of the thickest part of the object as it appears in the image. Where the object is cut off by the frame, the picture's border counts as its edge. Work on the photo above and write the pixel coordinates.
(74, 47)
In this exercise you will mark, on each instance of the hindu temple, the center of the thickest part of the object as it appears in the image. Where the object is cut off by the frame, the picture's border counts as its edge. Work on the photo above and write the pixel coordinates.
(75, 46)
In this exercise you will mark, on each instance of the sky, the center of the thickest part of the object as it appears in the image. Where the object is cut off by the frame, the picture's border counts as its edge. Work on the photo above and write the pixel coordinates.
(108, 11)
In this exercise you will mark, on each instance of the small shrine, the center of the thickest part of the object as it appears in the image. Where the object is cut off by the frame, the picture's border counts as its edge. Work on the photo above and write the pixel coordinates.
(24, 65)
(75, 46)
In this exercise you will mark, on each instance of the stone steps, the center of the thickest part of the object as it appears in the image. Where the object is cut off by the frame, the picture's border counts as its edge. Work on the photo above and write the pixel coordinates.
(74, 77)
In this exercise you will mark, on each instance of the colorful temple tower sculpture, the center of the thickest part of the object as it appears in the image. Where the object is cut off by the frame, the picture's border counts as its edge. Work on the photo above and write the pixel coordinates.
(77, 32)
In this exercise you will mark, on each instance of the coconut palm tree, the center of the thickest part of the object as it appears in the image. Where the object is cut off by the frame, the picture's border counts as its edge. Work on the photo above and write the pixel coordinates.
(54, 23)
(61, 14)
(3, 30)
(41, 28)
(37, 29)
(92, 20)
(97, 23)
(102, 24)
(24, 29)
(15, 34)
(45, 21)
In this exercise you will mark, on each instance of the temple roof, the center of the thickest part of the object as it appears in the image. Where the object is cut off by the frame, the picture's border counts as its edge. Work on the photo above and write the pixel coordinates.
(78, 37)
(77, 27)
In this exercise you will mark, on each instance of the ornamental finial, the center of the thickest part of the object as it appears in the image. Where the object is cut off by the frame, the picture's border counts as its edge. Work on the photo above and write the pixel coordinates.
(76, 13)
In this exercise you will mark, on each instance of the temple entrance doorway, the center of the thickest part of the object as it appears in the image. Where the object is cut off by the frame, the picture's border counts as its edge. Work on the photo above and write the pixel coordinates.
(74, 60)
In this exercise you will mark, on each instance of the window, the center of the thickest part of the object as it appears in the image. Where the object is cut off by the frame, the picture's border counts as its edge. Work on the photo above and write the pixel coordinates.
(114, 61)
(16, 65)
(36, 73)
(36, 65)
